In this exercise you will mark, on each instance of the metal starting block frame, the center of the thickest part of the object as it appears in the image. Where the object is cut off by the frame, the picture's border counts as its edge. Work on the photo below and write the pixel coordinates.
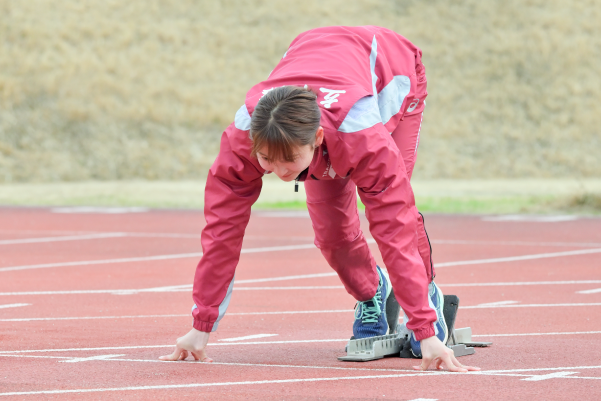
(372, 348)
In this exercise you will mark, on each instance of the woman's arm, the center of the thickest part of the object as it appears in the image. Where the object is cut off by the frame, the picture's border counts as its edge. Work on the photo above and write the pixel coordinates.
(233, 185)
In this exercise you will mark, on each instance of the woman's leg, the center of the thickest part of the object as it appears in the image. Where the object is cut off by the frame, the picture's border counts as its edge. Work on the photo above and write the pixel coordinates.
(332, 206)
(406, 137)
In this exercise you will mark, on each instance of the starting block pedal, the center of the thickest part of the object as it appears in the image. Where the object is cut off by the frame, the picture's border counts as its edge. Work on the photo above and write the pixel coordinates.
(459, 340)
(372, 348)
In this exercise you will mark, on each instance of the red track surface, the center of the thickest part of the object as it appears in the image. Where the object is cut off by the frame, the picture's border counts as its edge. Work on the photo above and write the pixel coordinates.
(72, 308)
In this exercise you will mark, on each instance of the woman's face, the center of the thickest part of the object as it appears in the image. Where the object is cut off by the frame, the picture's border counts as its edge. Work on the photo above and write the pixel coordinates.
(288, 171)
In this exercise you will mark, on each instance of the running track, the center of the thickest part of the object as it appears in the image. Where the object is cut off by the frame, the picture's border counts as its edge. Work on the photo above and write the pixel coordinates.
(89, 301)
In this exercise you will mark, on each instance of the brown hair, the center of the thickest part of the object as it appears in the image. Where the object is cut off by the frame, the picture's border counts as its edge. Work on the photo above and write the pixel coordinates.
(284, 119)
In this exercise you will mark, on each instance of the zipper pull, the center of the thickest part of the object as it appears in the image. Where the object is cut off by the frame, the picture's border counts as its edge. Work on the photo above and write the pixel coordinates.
(296, 185)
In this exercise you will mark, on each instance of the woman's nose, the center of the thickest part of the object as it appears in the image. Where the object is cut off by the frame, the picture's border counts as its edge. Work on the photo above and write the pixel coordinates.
(279, 170)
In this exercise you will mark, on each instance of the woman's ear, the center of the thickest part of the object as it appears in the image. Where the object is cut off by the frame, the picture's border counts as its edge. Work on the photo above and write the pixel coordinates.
(319, 136)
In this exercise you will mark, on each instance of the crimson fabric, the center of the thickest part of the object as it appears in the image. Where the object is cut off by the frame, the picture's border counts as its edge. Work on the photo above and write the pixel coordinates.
(329, 60)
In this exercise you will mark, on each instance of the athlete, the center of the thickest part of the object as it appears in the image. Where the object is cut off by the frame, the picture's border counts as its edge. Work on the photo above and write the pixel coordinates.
(342, 112)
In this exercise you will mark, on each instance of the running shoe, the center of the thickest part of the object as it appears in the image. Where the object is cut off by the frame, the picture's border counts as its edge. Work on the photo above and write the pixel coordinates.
(436, 300)
(370, 316)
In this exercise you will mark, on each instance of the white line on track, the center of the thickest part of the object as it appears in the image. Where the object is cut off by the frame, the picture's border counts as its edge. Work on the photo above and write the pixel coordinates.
(519, 283)
(5, 306)
(594, 291)
(370, 240)
(61, 238)
(34, 319)
(35, 356)
(132, 347)
(289, 248)
(188, 287)
(39, 319)
(515, 243)
(197, 385)
(103, 261)
(171, 346)
(251, 337)
(111, 358)
(151, 258)
(519, 258)
(93, 358)
(565, 333)
(485, 306)
(284, 278)
(498, 303)
(304, 380)
(494, 306)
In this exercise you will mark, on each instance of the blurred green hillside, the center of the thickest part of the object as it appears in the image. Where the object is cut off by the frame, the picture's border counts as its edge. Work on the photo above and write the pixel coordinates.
(111, 90)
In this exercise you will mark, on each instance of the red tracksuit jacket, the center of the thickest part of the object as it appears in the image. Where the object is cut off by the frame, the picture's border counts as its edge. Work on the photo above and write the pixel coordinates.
(365, 80)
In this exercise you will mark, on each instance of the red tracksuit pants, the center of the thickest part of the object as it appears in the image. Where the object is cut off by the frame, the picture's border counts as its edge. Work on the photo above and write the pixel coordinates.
(333, 209)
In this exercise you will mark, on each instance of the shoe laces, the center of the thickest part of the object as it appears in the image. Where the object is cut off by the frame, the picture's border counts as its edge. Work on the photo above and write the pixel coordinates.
(372, 309)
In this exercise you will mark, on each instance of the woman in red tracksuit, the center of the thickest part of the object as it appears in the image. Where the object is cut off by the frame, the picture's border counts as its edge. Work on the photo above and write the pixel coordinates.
(342, 112)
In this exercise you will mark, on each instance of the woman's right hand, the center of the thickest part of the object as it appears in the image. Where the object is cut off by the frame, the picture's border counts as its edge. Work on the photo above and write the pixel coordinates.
(194, 342)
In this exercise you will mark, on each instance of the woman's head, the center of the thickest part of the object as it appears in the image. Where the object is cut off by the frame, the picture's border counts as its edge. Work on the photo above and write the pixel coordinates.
(285, 130)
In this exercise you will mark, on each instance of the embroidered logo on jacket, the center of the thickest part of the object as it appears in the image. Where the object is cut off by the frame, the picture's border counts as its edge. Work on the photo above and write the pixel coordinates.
(330, 97)
(413, 105)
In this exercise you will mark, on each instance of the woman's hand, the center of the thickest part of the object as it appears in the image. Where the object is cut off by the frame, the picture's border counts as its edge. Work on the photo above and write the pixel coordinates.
(194, 342)
(434, 351)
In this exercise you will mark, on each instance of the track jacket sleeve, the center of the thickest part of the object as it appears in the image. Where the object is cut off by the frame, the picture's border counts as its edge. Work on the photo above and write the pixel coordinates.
(233, 185)
(372, 160)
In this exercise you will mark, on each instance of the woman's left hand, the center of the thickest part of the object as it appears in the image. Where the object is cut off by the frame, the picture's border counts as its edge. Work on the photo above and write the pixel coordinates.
(435, 352)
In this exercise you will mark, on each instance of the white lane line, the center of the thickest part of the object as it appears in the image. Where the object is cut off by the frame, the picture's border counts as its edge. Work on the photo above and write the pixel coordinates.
(35, 356)
(305, 380)
(514, 243)
(195, 385)
(565, 333)
(37, 319)
(499, 303)
(532, 218)
(550, 376)
(171, 346)
(99, 209)
(93, 358)
(131, 347)
(518, 283)
(289, 248)
(323, 287)
(188, 287)
(486, 306)
(518, 258)
(103, 261)
(150, 258)
(248, 337)
(5, 306)
(284, 278)
(510, 373)
(61, 238)
(595, 291)
(370, 240)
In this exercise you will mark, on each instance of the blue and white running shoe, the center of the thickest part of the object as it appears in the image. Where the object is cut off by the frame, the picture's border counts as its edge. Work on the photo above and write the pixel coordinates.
(436, 300)
(370, 316)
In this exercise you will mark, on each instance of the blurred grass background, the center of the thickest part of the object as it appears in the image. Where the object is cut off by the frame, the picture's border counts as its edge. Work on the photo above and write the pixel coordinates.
(97, 96)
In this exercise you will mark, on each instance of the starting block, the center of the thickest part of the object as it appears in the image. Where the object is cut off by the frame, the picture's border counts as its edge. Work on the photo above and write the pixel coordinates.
(396, 344)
